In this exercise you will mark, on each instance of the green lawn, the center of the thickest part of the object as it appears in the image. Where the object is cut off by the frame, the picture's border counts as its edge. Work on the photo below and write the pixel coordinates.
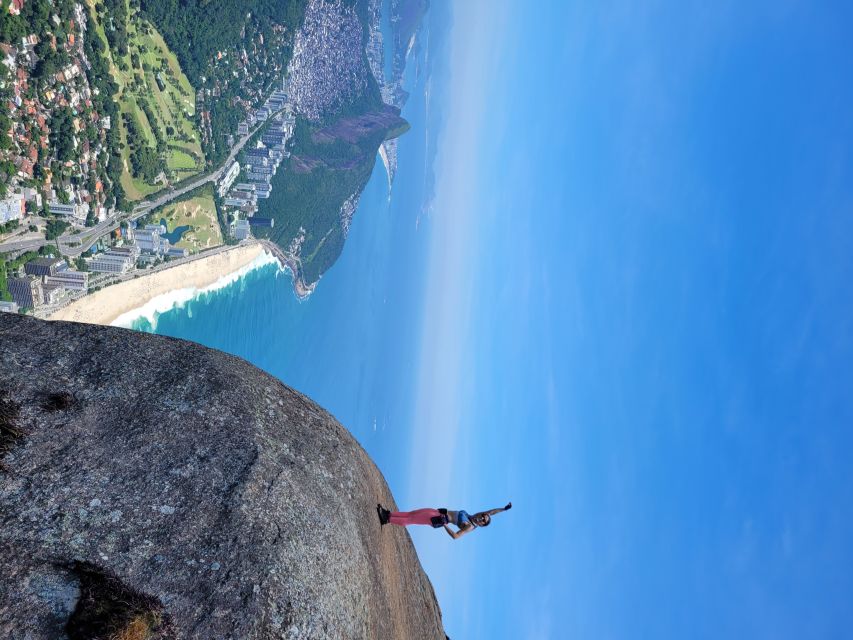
(172, 108)
(182, 161)
(199, 213)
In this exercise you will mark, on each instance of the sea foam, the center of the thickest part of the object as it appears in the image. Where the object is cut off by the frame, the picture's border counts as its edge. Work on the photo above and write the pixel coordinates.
(178, 298)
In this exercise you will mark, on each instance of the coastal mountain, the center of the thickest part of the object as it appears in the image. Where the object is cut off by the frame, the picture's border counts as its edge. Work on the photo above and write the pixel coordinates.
(153, 488)
(329, 167)
(124, 113)
(341, 123)
(344, 112)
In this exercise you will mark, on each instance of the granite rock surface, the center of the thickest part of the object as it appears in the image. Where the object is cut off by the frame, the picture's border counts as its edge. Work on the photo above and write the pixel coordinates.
(155, 488)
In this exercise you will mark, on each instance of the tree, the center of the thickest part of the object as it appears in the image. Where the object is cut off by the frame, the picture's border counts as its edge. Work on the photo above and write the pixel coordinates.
(62, 134)
(55, 228)
(12, 28)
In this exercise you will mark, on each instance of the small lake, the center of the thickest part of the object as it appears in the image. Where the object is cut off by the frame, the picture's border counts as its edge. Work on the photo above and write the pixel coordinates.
(174, 236)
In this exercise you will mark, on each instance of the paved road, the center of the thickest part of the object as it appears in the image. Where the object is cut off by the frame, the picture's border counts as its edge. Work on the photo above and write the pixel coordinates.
(75, 244)
(141, 208)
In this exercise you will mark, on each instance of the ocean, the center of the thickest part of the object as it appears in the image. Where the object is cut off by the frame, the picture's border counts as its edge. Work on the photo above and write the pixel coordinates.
(350, 345)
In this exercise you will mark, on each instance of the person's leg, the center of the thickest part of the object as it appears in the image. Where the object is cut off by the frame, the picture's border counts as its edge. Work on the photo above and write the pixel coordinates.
(419, 516)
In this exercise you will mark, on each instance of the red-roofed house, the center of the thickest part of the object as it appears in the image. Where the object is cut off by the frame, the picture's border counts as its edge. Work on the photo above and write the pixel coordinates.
(25, 168)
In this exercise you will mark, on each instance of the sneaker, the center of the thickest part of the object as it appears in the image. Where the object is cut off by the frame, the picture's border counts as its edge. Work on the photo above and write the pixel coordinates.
(383, 514)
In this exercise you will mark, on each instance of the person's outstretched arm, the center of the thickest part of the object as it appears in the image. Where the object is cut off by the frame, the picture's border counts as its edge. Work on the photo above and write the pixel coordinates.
(493, 512)
(456, 534)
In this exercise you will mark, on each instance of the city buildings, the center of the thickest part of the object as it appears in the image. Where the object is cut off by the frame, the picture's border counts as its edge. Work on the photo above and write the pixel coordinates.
(8, 307)
(27, 292)
(240, 229)
(46, 281)
(149, 239)
(52, 293)
(112, 262)
(228, 179)
(44, 266)
(76, 211)
(131, 251)
(12, 208)
(264, 168)
(261, 161)
(68, 279)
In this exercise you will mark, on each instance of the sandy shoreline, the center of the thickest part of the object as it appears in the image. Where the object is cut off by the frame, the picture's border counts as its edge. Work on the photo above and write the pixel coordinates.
(110, 304)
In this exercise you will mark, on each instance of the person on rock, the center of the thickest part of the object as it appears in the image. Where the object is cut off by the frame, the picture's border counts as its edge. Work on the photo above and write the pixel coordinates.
(436, 518)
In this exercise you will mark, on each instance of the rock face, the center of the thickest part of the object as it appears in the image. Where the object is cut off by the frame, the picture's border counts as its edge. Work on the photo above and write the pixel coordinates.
(153, 488)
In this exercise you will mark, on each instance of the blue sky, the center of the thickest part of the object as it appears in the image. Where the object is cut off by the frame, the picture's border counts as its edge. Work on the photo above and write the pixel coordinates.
(627, 310)
(638, 324)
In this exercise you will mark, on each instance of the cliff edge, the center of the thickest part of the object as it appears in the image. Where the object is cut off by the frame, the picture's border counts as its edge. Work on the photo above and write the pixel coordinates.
(153, 488)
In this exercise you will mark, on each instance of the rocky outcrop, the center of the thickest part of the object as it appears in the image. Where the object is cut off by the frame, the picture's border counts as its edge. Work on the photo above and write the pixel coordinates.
(153, 488)
(385, 122)
(360, 133)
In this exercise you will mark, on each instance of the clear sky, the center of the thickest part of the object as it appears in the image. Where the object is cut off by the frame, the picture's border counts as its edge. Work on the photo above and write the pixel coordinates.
(638, 323)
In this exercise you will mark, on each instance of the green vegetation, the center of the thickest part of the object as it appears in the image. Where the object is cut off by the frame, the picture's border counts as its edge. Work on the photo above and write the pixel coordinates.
(146, 163)
(55, 228)
(100, 79)
(6, 227)
(155, 99)
(7, 169)
(117, 33)
(198, 212)
(5, 122)
(233, 50)
(197, 30)
(312, 200)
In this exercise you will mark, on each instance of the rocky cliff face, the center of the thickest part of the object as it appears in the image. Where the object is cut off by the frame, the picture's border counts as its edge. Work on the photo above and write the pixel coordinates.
(153, 488)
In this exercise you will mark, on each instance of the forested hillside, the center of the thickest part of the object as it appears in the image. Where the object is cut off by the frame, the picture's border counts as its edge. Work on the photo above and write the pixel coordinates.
(315, 195)
(196, 30)
(233, 52)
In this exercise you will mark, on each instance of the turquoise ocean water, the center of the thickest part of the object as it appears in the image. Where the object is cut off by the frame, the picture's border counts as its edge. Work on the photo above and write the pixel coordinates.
(350, 345)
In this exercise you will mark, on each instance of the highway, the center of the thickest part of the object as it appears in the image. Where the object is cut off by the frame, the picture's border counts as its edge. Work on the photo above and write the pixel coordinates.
(75, 244)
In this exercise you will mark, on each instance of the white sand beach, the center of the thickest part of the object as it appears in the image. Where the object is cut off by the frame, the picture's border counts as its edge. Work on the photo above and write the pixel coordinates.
(153, 293)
